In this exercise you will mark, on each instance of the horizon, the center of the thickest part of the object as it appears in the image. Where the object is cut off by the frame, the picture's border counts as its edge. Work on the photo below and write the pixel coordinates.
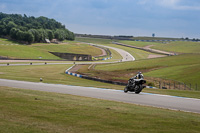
(165, 18)
(137, 36)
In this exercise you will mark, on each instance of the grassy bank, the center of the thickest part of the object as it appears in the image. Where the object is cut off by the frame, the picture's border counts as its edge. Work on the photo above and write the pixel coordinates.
(183, 68)
(178, 46)
(41, 50)
(138, 43)
(24, 52)
(35, 111)
(77, 48)
(94, 40)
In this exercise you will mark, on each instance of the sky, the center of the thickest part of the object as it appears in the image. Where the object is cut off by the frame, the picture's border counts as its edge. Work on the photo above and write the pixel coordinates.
(165, 18)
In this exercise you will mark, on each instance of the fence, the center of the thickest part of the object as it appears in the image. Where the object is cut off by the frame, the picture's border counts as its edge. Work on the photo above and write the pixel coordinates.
(170, 84)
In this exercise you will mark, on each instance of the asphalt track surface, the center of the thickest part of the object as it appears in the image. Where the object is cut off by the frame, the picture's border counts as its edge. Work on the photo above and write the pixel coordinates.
(125, 55)
(147, 99)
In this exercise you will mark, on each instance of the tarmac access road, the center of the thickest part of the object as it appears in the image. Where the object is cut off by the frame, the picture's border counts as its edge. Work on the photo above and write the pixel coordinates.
(147, 99)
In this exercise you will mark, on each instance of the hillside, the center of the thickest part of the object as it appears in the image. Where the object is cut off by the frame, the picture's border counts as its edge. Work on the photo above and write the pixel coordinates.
(31, 29)
(183, 68)
(12, 50)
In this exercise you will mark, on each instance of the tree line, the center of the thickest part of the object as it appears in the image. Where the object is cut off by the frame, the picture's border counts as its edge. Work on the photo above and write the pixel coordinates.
(31, 29)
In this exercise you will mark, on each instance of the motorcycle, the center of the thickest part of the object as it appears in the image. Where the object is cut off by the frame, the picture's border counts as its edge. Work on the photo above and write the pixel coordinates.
(135, 85)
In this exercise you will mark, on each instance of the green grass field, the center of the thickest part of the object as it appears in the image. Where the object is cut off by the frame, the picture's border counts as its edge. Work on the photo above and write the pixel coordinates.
(24, 52)
(178, 47)
(49, 73)
(78, 48)
(41, 112)
(138, 43)
(94, 40)
(41, 50)
(4, 41)
(155, 38)
(183, 68)
(186, 59)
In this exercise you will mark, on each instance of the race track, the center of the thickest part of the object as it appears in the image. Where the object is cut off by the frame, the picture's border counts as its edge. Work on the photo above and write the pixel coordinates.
(147, 99)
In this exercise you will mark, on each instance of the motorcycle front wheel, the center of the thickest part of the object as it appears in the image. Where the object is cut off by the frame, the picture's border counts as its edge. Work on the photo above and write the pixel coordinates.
(126, 89)
(138, 89)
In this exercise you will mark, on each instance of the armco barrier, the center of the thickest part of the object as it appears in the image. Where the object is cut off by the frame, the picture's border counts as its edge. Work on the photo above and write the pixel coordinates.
(91, 78)
(74, 74)
(151, 87)
(107, 58)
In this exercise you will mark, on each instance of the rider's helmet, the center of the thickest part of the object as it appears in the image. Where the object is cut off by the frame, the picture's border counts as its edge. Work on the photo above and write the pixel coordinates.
(139, 72)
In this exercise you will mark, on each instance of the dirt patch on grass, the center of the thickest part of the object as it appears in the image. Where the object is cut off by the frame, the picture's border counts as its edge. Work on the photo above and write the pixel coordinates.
(149, 46)
(155, 56)
(103, 52)
(119, 76)
(75, 68)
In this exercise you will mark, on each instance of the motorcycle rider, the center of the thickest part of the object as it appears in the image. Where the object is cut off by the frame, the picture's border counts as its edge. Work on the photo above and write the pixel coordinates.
(138, 76)
(135, 84)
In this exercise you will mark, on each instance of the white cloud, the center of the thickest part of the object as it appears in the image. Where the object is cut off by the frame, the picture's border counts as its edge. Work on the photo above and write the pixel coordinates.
(177, 5)
(187, 7)
(172, 4)
(168, 2)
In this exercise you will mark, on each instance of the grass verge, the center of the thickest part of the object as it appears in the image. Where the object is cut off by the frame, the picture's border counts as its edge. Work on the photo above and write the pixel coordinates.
(50, 74)
(36, 111)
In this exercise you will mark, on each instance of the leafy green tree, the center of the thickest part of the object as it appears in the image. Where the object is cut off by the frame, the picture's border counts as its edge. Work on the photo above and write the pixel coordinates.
(60, 34)
(13, 33)
(29, 37)
(31, 29)
(50, 34)
(36, 34)
(3, 30)
(43, 34)
(20, 35)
